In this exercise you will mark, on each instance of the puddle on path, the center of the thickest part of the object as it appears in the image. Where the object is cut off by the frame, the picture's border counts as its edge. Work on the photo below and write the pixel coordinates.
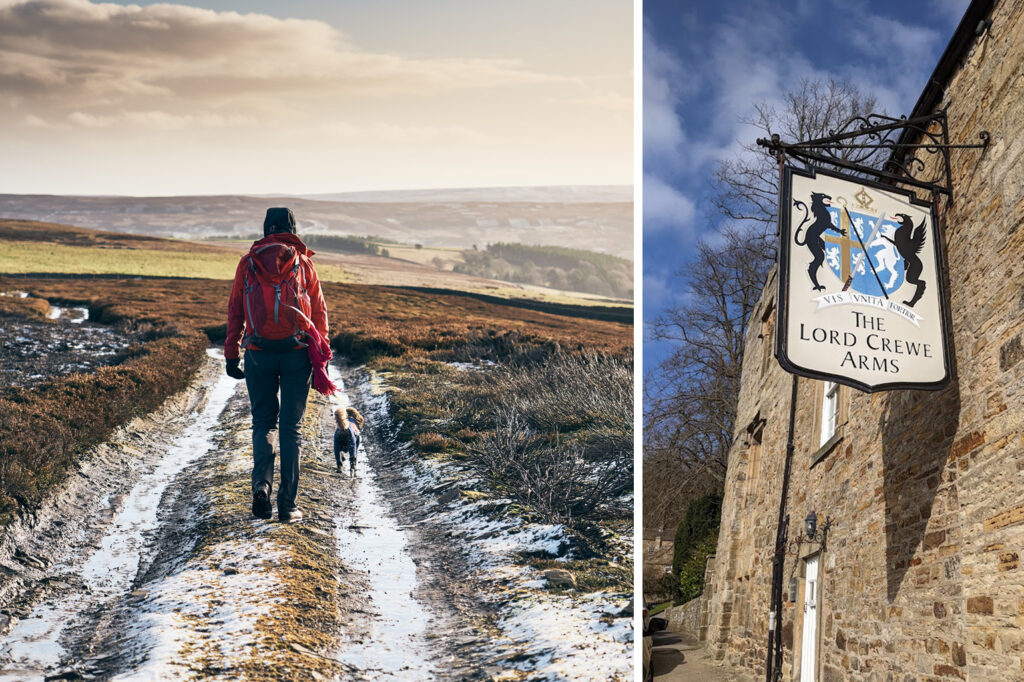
(36, 351)
(370, 540)
(75, 315)
(33, 647)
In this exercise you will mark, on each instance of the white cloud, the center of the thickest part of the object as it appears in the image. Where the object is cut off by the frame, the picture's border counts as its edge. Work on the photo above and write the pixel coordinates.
(897, 60)
(665, 207)
(67, 56)
(877, 35)
(160, 85)
(156, 120)
(665, 83)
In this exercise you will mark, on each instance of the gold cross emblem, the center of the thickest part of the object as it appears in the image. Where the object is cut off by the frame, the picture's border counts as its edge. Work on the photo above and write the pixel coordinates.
(864, 199)
(846, 245)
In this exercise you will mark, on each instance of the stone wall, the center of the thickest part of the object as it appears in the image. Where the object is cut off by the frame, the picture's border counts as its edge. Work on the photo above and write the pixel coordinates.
(692, 618)
(685, 618)
(920, 578)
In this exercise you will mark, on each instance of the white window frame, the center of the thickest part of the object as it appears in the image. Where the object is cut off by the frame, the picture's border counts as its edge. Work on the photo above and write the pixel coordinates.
(829, 410)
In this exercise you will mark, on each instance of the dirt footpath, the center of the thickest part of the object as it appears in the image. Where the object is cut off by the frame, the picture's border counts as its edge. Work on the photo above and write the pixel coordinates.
(675, 658)
(149, 565)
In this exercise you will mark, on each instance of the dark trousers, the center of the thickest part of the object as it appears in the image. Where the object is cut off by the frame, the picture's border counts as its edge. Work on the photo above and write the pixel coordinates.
(265, 373)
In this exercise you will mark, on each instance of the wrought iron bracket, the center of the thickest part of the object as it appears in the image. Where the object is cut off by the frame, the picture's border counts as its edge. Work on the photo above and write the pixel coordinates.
(856, 143)
(820, 538)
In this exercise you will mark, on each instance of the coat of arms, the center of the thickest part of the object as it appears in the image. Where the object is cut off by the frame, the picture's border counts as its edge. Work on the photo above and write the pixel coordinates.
(858, 264)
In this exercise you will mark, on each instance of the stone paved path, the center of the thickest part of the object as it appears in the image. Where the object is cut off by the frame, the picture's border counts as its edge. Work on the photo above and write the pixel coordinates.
(677, 659)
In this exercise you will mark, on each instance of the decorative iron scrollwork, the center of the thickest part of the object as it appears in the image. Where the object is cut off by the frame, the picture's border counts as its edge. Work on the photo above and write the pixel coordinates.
(855, 147)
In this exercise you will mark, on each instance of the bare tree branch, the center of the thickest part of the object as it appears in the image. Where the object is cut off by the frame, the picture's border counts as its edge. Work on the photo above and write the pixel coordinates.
(690, 400)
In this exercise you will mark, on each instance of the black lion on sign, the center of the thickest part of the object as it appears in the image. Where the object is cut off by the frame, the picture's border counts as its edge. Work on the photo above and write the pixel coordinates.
(813, 239)
(909, 241)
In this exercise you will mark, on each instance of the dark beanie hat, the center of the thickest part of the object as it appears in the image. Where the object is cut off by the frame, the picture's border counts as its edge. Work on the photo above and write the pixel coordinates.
(279, 220)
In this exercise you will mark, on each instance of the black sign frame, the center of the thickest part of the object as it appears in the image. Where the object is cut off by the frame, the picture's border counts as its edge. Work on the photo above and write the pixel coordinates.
(782, 291)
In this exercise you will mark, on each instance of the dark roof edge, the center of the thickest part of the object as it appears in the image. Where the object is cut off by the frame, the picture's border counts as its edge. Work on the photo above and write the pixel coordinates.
(962, 40)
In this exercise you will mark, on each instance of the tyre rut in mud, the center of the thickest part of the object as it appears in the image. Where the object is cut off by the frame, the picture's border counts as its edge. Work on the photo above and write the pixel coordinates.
(210, 592)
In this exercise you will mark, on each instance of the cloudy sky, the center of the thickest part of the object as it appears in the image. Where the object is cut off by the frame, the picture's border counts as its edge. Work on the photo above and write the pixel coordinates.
(706, 62)
(313, 96)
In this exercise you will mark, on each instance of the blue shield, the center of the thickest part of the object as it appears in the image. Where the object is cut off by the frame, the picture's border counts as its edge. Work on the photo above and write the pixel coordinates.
(843, 256)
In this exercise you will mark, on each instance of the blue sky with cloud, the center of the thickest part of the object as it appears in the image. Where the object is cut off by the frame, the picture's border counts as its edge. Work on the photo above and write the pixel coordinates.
(707, 63)
(152, 97)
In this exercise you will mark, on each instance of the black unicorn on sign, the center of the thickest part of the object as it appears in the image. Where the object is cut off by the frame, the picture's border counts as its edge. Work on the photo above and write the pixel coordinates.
(812, 240)
(909, 241)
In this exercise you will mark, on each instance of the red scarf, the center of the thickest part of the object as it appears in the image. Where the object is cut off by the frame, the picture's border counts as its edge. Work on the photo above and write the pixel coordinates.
(319, 355)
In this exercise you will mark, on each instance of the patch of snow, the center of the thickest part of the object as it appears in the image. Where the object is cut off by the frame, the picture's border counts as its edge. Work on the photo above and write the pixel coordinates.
(576, 638)
(75, 315)
(552, 636)
(117, 560)
(465, 366)
(33, 645)
(178, 605)
(373, 542)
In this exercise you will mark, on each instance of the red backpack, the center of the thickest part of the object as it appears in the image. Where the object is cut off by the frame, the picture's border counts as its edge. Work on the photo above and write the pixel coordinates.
(277, 305)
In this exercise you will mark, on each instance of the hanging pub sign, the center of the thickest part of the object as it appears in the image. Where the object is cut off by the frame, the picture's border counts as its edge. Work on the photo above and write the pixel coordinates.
(861, 297)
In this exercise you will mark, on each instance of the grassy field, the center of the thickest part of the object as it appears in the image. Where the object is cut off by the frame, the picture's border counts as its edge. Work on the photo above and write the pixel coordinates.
(48, 249)
(410, 269)
(31, 243)
(366, 320)
(565, 381)
(29, 257)
(425, 255)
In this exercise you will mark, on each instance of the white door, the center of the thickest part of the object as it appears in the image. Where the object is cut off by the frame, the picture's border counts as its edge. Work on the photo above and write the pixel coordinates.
(808, 651)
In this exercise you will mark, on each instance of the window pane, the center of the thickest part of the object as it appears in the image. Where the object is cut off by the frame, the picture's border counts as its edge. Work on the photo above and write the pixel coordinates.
(829, 404)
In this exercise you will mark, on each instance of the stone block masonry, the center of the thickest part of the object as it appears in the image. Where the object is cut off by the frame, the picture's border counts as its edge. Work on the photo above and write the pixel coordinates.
(920, 578)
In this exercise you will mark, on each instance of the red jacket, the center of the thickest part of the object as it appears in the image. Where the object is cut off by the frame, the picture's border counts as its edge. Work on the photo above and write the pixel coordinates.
(237, 324)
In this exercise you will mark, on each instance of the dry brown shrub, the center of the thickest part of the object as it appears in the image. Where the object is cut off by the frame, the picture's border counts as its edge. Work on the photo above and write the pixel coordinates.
(430, 442)
(44, 431)
(365, 321)
(31, 307)
(550, 429)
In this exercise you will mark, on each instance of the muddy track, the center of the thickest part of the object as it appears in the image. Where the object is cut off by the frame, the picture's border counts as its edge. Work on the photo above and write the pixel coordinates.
(505, 620)
(463, 626)
(148, 564)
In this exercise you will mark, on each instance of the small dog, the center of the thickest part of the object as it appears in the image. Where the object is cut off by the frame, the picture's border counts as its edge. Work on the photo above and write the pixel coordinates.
(347, 436)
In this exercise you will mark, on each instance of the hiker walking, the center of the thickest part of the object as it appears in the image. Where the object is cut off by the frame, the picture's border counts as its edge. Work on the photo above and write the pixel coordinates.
(277, 302)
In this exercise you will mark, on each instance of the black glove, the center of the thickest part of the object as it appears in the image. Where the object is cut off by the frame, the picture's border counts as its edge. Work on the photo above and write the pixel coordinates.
(233, 370)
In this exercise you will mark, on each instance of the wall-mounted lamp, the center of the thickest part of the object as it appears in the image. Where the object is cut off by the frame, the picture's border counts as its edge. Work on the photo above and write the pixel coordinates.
(809, 534)
(811, 531)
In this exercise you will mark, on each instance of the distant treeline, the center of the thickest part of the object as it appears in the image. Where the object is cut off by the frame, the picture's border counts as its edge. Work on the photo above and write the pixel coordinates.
(557, 267)
(345, 244)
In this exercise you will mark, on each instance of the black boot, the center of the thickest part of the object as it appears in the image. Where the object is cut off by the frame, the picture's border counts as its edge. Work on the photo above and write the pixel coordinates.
(291, 516)
(261, 507)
